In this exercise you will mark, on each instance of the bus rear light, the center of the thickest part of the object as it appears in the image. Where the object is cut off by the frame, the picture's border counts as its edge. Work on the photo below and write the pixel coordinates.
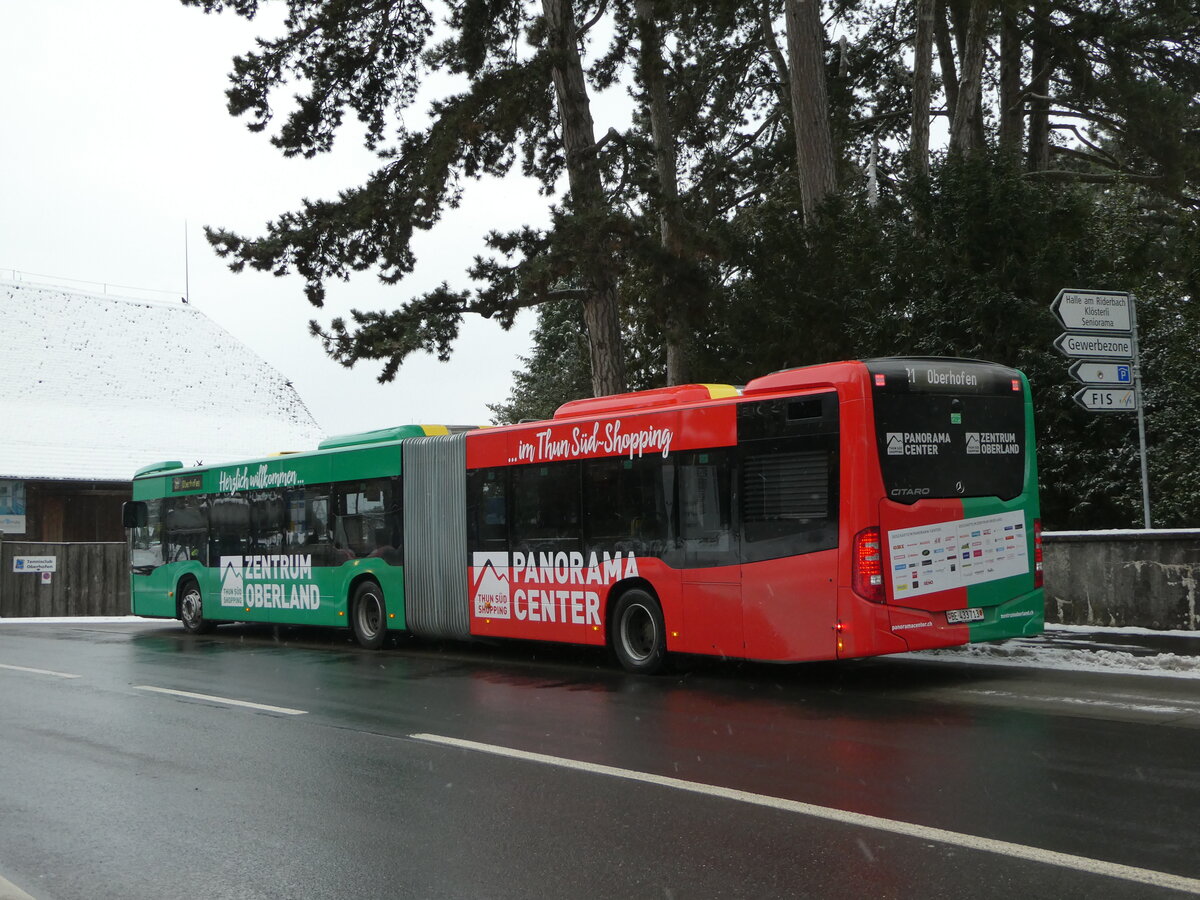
(1016, 383)
(866, 577)
(1038, 578)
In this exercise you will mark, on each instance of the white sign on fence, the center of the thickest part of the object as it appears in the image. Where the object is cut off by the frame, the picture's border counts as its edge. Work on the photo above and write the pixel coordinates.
(35, 563)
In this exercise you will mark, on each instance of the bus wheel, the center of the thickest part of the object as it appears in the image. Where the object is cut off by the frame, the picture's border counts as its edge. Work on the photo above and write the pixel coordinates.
(369, 615)
(191, 609)
(636, 633)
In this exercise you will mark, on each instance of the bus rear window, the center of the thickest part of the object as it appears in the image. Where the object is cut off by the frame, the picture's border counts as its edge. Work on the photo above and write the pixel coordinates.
(949, 429)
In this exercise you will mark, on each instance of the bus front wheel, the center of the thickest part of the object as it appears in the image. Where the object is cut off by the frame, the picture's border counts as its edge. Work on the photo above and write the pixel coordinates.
(636, 633)
(369, 615)
(191, 609)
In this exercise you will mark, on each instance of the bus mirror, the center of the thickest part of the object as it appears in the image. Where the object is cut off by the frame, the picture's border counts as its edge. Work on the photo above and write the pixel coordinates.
(133, 514)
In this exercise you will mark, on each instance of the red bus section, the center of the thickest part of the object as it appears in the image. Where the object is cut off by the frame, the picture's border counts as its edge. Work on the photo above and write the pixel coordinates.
(847, 509)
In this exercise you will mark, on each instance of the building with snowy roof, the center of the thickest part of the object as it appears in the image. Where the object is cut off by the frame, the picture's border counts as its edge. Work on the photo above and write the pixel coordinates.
(96, 386)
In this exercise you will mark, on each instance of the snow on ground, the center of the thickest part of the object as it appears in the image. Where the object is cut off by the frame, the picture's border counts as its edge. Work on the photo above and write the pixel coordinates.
(1085, 651)
(1092, 629)
(1076, 648)
(76, 620)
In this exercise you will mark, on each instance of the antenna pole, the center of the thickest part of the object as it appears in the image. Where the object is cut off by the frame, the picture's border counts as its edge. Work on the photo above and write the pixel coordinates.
(187, 288)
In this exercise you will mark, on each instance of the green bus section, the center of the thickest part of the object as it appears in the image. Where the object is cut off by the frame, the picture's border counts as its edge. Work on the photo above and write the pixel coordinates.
(1013, 606)
(284, 539)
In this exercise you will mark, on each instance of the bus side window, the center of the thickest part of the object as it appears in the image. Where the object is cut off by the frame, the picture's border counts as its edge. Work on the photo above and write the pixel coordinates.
(146, 551)
(268, 521)
(626, 505)
(788, 497)
(361, 521)
(487, 510)
(230, 518)
(186, 529)
(705, 524)
(545, 507)
(307, 528)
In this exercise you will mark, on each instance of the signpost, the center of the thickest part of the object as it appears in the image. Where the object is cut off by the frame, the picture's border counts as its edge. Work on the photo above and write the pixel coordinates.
(1102, 336)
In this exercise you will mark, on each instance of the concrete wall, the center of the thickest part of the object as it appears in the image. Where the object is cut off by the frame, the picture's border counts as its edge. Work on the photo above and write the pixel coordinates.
(1123, 578)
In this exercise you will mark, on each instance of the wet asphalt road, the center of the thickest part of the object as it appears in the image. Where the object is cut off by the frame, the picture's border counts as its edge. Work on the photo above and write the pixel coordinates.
(109, 789)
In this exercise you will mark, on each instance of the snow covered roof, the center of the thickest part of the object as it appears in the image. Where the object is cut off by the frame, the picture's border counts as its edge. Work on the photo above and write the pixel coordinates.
(94, 387)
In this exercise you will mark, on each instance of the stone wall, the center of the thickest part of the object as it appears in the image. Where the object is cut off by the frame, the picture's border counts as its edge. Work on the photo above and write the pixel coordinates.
(1123, 578)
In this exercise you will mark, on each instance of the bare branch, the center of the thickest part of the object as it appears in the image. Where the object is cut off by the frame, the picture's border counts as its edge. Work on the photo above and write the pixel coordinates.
(586, 26)
(1094, 177)
(1085, 157)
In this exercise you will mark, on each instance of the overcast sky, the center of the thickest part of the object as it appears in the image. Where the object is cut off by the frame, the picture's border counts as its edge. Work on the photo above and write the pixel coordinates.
(115, 133)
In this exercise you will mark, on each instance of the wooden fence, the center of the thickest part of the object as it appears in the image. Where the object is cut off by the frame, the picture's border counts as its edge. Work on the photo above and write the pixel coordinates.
(89, 580)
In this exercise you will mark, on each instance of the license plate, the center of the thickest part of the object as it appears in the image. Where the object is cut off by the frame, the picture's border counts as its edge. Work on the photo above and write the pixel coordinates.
(954, 616)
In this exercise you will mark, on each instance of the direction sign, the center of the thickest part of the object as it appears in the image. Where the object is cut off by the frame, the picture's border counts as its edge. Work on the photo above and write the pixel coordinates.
(1096, 373)
(1100, 399)
(1094, 346)
(1098, 311)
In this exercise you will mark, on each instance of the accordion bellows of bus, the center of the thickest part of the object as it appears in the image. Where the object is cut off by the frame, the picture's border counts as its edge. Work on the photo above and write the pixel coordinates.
(840, 510)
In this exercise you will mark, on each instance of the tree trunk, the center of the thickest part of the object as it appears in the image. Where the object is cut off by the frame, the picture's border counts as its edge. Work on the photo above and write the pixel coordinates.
(964, 136)
(1039, 86)
(600, 305)
(922, 90)
(676, 320)
(1012, 122)
(810, 104)
(945, 49)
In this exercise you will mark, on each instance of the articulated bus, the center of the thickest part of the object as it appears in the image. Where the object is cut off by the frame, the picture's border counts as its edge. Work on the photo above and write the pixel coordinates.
(840, 510)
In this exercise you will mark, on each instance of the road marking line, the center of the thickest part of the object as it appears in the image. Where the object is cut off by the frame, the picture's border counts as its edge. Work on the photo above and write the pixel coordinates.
(287, 711)
(9, 891)
(39, 671)
(845, 817)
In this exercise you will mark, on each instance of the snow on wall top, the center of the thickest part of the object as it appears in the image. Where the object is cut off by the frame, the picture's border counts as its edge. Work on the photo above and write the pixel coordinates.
(94, 387)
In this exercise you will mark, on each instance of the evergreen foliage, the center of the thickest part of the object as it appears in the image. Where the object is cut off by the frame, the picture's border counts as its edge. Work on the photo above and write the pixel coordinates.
(1072, 160)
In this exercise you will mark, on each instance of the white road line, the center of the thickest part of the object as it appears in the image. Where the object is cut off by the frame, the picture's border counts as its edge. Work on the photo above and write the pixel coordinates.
(39, 671)
(9, 891)
(907, 829)
(246, 703)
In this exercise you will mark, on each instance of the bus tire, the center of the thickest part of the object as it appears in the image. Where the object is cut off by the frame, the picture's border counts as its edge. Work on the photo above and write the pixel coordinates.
(637, 634)
(191, 608)
(368, 615)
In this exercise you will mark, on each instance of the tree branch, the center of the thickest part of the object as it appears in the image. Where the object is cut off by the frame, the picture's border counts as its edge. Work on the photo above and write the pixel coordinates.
(1094, 177)
(586, 26)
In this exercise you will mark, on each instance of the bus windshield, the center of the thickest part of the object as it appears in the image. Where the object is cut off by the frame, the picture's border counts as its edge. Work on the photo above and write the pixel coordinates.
(949, 428)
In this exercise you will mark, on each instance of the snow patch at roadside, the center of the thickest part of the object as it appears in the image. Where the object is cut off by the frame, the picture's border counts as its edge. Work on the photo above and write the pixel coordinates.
(1031, 654)
(77, 620)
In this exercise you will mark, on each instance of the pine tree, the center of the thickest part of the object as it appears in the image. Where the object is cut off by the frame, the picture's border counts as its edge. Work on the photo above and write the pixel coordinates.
(522, 103)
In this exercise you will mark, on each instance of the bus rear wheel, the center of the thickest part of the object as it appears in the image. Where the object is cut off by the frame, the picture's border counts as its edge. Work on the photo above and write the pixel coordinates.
(191, 609)
(637, 634)
(368, 615)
